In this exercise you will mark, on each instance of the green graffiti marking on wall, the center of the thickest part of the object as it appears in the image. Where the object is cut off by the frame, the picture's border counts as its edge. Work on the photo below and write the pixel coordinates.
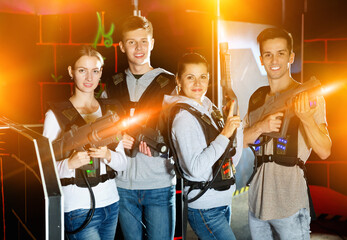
(56, 78)
(101, 32)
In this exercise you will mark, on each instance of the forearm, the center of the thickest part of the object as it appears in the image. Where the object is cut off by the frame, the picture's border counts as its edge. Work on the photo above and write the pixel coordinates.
(118, 158)
(318, 137)
(250, 134)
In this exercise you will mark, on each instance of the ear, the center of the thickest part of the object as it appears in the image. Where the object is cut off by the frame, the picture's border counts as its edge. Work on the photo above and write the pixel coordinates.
(101, 72)
(121, 46)
(177, 80)
(69, 69)
(291, 58)
(152, 44)
(261, 60)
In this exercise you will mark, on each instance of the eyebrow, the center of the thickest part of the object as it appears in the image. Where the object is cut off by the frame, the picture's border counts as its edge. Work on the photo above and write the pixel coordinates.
(281, 50)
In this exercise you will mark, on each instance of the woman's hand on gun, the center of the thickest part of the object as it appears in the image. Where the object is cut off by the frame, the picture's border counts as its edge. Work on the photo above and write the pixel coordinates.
(100, 152)
(78, 159)
(232, 122)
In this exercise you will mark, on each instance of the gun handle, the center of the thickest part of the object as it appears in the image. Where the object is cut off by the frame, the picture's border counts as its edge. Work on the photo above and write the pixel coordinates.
(284, 126)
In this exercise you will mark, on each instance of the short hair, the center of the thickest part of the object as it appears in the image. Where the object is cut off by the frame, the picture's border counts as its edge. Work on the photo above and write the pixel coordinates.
(135, 22)
(190, 58)
(86, 50)
(271, 33)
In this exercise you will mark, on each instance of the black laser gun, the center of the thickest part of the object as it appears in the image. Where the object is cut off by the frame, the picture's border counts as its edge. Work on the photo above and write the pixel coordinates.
(101, 132)
(283, 102)
(153, 138)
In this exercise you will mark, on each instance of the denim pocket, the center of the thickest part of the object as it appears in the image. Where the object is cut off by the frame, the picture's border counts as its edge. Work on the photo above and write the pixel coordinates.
(73, 215)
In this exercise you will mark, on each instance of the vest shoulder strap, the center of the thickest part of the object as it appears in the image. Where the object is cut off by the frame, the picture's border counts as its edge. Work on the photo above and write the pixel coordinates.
(258, 98)
(66, 114)
(110, 104)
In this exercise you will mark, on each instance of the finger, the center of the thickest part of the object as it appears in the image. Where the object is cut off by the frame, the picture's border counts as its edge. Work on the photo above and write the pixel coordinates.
(279, 114)
(231, 110)
(296, 105)
(307, 102)
(149, 152)
(302, 102)
(141, 147)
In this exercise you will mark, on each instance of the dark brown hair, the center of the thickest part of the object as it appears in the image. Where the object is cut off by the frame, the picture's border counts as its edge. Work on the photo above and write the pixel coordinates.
(271, 33)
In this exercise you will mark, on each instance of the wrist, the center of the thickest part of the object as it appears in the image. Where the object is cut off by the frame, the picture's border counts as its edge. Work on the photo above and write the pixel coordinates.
(108, 156)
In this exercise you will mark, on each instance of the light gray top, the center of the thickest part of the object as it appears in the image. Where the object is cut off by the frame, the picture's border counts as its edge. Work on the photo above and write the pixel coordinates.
(196, 158)
(145, 172)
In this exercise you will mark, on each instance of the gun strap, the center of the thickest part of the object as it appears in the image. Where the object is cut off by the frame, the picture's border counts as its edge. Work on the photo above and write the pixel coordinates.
(102, 178)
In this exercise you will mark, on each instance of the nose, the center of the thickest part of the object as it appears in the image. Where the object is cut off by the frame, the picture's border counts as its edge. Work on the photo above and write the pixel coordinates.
(138, 46)
(197, 81)
(274, 59)
(89, 76)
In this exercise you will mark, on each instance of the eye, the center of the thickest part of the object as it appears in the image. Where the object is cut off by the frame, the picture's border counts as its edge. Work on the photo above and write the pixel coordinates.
(131, 42)
(204, 77)
(144, 41)
(96, 71)
(190, 77)
(266, 55)
(81, 70)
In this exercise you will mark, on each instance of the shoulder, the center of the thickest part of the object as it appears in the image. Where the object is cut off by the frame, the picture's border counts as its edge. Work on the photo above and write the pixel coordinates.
(258, 97)
(51, 127)
(165, 79)
(184, 119)
(259, 93)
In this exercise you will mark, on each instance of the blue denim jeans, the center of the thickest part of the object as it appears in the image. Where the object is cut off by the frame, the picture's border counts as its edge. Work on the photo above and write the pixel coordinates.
(147, 214)
(101, 227)
(295, 227)
(213, 223)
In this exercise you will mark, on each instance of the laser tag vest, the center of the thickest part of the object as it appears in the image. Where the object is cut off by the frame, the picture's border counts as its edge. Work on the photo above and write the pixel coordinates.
(285, 150)
(68, 116)
(222, 168)
(151, 98)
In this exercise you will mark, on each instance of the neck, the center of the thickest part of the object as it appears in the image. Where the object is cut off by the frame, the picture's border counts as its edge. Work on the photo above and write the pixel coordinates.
(280, 85)
(140, 69)
(82, 100)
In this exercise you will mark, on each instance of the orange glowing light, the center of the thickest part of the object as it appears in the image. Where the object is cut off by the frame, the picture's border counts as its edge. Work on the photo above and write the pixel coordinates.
(333, 87)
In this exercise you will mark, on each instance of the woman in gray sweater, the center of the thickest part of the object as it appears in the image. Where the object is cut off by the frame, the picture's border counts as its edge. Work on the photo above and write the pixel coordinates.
(209, 215)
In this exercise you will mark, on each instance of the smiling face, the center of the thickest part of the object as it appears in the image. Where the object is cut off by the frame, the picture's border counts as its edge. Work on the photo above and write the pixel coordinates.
(137, 45)
(86, 74)
(194, 81)
(276, 58)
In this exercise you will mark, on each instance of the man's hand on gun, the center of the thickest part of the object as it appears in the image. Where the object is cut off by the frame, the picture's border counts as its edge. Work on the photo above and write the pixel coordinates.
(128, 143)
(143, 148)
(232, 122)
(302, 107)
(271, 123)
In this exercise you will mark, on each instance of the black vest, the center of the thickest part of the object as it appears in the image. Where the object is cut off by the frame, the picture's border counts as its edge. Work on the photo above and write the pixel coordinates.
(151, 99)
(210, 133)
(285, 148)
(67, 116)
